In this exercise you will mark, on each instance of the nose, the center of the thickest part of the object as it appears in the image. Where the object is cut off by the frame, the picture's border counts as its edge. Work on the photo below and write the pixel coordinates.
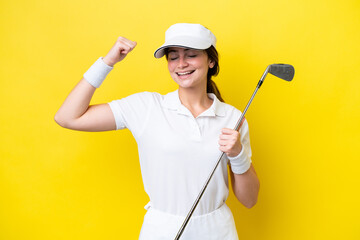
(182, 62)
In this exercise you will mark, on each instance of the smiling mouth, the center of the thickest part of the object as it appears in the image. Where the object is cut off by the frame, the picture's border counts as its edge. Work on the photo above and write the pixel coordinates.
(185, 73)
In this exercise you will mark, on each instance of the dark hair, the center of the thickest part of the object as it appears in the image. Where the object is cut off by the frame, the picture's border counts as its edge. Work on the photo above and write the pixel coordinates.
(214, 71)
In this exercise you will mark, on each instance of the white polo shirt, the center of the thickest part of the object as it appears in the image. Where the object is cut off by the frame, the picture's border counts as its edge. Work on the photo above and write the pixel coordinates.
(177, 151)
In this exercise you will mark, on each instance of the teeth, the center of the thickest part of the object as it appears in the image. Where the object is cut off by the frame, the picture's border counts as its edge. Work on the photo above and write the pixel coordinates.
(184, 73)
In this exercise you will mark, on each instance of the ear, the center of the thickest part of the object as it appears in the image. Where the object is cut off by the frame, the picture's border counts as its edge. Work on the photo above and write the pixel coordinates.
(211, 64)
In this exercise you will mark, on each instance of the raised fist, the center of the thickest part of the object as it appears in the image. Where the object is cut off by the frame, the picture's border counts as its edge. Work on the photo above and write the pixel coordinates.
(119, 51)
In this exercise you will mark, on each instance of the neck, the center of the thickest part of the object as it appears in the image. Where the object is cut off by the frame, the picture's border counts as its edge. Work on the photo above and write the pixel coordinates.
(195, 99)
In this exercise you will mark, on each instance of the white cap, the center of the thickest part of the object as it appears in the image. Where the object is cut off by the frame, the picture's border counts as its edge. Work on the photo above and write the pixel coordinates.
(187, 35)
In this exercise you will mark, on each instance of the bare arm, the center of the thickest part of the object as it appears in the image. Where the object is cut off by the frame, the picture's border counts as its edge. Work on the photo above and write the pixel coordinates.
(75, 113)
(246, 186)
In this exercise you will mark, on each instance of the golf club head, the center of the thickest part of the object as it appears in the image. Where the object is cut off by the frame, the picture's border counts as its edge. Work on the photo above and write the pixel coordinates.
(283, 71)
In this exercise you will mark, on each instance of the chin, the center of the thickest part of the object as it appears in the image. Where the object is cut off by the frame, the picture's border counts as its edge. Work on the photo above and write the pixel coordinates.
(186, 85)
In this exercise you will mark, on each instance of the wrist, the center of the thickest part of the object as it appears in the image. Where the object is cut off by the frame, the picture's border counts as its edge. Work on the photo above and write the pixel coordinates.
(240, 163)
(108, 62)
(236, 152)
(97, 73)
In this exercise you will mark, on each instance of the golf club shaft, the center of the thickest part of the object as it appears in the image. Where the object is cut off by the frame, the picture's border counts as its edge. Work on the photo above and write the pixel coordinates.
(237, 127)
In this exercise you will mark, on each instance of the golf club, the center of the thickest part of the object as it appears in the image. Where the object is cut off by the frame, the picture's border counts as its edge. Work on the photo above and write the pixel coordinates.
(283, 71)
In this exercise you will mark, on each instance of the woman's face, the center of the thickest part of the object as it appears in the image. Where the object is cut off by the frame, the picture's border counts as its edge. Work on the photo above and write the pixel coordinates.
(188, 67)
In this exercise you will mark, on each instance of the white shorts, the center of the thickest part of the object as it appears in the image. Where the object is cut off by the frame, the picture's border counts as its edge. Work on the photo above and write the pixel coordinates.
(216, 225)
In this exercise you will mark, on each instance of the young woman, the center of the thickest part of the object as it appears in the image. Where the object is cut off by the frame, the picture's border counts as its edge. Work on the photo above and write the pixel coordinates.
(180, 135)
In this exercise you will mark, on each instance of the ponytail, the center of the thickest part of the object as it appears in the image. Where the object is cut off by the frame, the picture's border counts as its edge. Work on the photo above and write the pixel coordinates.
(212, 88)
(214, 71)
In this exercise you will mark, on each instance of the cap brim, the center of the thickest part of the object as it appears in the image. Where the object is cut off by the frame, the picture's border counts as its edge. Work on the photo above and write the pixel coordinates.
(160, 52)
(184, 42)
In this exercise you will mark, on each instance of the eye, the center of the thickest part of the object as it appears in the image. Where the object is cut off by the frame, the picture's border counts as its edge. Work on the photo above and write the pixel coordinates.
(192, 56)
(173, 57)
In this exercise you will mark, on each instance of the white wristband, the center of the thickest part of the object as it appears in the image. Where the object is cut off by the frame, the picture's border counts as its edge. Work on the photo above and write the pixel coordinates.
(97, 73)
(241, 163)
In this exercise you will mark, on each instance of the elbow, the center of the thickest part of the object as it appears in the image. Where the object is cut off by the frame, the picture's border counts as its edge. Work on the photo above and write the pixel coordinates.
(60, 121)
(250, 199)
(251, 203)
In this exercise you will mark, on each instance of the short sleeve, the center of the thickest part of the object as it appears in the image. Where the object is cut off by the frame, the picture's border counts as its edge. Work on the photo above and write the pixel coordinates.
(132, 112)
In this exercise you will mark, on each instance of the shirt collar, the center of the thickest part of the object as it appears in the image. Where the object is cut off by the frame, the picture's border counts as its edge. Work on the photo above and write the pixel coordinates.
(172, 101)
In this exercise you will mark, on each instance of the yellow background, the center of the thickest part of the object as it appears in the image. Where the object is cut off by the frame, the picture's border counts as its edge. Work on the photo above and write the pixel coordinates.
(61, 184)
